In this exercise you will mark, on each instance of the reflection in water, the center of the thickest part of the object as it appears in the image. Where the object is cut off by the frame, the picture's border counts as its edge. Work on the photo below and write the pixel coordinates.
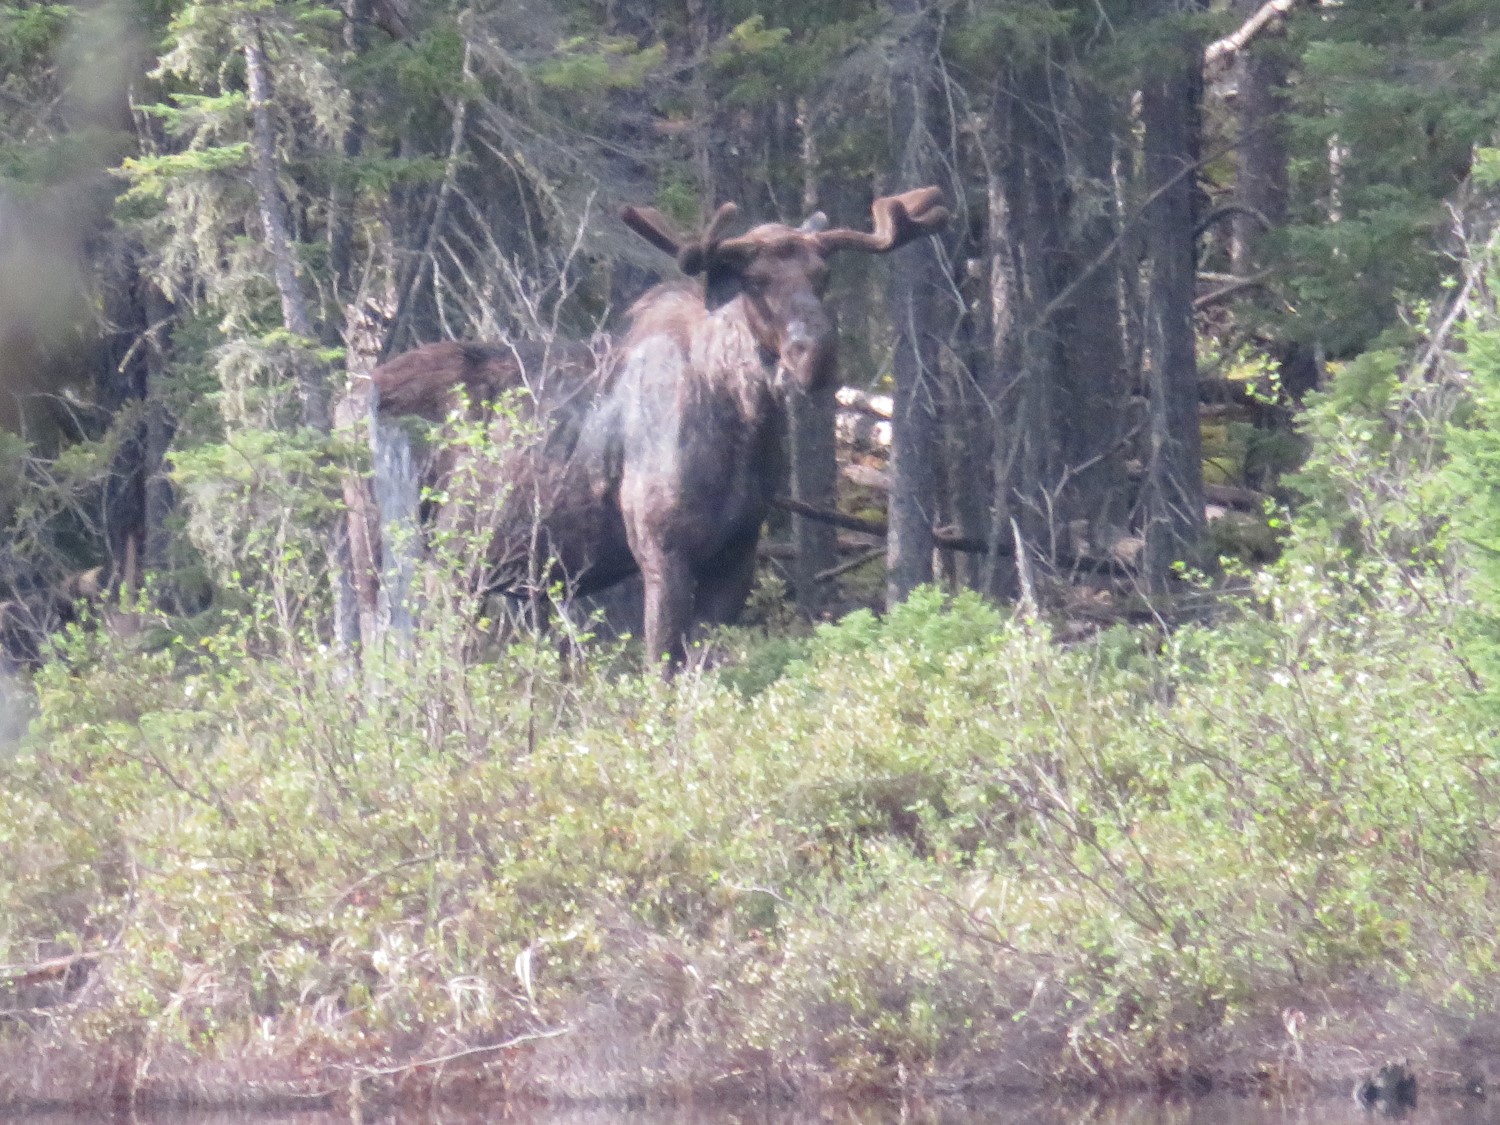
(1199, 1111)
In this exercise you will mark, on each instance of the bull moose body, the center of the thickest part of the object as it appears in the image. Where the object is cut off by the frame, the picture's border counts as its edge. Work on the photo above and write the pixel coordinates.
(663, 454)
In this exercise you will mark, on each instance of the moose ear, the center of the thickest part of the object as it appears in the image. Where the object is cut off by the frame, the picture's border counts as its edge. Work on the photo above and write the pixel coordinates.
(721, 286)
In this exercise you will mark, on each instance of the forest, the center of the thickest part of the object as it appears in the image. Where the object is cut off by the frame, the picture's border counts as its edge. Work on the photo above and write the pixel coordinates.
(1114, 700)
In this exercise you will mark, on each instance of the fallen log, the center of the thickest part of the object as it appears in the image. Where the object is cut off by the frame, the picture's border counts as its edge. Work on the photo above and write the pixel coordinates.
(942, 538)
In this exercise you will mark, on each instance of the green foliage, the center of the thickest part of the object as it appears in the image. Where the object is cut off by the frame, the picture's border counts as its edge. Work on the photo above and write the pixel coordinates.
(1475, 473)
(1390, 101)
(873, 855)
(595, 67)
(1374, 484)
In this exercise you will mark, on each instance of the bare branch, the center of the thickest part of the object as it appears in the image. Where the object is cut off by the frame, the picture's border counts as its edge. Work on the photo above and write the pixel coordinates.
(1224, 292)
(1271, 13)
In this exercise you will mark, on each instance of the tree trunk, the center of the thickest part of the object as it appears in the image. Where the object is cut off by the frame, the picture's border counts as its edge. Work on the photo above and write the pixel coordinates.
(1262, 178)
(814, 454)
(1170, 102)
(341, 195)
(159, 431)
(273, 217)
(915, 282)
(341, 199)
(1027, 260)
(1092, 392)
(1004, 309)
(968, 410)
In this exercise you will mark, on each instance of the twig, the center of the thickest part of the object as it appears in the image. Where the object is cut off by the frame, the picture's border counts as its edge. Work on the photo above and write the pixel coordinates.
(849, 564)
(518, 1041)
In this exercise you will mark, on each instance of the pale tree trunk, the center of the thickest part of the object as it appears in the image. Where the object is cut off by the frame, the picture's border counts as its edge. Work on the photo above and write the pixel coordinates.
(814, 457)
(1041, 156)
(915, 283)
(341, 196)
(970, 441)
(341, 199)
(1003, 301)
(273, 217)
(1170, 102)
(708, 139)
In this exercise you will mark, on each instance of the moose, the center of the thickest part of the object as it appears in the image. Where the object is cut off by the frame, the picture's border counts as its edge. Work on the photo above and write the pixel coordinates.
(662, 455)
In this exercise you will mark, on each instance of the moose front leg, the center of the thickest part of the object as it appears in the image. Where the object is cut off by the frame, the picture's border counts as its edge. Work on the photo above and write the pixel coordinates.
(669, 607)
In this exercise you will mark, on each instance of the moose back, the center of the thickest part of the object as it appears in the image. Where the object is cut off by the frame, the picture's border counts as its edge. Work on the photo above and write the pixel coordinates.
(662, 454)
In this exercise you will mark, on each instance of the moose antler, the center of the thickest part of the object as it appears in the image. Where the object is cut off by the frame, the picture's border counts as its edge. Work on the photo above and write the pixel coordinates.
(652, 225)
(898, 220)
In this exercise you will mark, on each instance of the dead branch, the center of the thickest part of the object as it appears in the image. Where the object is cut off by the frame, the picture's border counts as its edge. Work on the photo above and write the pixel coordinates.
(53, 969)
(1224, 292)
(851, 398)
(1233, 496)
(1271, 13)
(943, 539)
(850, 564)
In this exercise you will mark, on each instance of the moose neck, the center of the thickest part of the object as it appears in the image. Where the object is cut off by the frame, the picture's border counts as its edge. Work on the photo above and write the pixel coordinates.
(735, 363)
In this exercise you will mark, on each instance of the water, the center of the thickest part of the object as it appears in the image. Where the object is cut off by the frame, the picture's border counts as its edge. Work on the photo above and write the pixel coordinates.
(1198, 1111)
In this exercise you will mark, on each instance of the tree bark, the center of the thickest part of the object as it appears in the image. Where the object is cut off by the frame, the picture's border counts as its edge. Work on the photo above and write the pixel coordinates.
(1262, 178)
(912, 301)
(1003, 184)
(341, 199)
(159, 430)
(814, 455)
(1261, 159)
(1090, 408)
(1029, 259)
(273, 217)
(1170, 101)
(341, 195)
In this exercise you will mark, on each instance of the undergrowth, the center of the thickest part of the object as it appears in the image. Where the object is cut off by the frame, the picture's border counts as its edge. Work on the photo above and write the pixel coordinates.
(918, 852)
(934, 846)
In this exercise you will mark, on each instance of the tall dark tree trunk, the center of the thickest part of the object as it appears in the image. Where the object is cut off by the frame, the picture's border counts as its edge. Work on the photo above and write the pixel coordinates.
(1261, 162)
(160, 427)
(1170, 102)
(1092, 392)
(120, 381)
(968, 409)
(1028, 262)
(1262, 176)
(913, 302)
(814, 457)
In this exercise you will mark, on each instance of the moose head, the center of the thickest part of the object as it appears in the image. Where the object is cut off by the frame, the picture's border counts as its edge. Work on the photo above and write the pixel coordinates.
(781, 272)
